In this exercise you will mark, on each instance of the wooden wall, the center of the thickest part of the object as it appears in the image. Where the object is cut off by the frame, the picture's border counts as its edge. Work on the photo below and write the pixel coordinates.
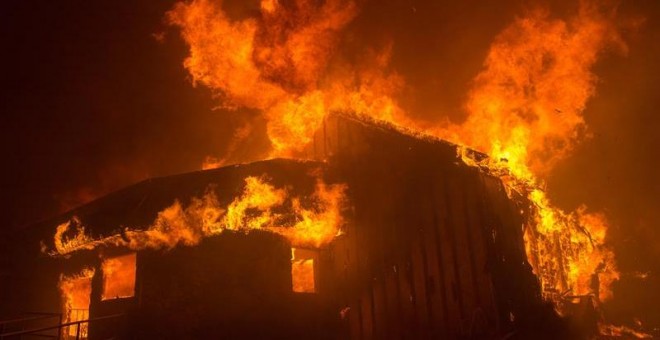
(429, 239)
(432, 249)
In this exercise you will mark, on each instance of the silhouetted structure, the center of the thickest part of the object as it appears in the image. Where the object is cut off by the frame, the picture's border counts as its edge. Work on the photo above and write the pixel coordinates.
(432, 248)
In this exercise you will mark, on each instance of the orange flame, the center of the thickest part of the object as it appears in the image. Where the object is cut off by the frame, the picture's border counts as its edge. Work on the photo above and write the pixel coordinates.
(303, 226)
(622, 331)
(279, 63)
(118, 277)
(526, 105)
(524, 110)
(64, 244)
(302, 271)
(76, 291)
(568, 251)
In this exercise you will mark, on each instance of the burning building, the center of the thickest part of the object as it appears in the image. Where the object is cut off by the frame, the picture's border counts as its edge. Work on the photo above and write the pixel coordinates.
(381, 234)
(356, 225)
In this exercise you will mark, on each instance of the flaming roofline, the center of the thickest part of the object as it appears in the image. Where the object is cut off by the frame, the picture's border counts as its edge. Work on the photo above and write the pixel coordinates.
(133, 206)
(381, 125)
(137, 205)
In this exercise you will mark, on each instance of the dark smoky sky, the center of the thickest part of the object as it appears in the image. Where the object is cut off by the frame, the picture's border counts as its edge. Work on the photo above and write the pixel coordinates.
(94, 97)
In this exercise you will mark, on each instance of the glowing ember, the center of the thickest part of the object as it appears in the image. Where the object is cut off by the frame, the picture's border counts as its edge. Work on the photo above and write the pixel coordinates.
(314, 224)
(118, 277)
(622, 331)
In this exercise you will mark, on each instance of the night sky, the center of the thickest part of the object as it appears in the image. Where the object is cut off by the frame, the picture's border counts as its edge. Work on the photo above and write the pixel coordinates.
(94, 98)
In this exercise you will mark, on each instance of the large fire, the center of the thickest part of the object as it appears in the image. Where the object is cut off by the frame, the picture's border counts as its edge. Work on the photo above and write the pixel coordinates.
(278, 63)
(524, 110)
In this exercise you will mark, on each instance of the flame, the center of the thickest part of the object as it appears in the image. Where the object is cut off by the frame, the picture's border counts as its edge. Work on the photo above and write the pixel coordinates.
(319, 226)
(79, 241)
(526, 105)
(118, 277)
(302, 271)
(568, 251)
(76, 291)
(280, 63)
(315, 224)
(257, 195)
(525, 108)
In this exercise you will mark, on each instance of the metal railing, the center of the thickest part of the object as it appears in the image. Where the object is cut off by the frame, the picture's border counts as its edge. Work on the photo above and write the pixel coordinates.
(81, 331)
(78, 334)
(28, 317)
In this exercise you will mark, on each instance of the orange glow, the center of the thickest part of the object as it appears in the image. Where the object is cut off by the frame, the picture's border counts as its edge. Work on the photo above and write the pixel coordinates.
(525, 111)
(526, 105)
(118, 277)
(567, 251)
(307, 221)
(240, 135)
(278, 63)
(622, 332)
(256, 195)
(76, 291)
(65, 244)
(525, 108)
(319, 225)
(302, 271)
